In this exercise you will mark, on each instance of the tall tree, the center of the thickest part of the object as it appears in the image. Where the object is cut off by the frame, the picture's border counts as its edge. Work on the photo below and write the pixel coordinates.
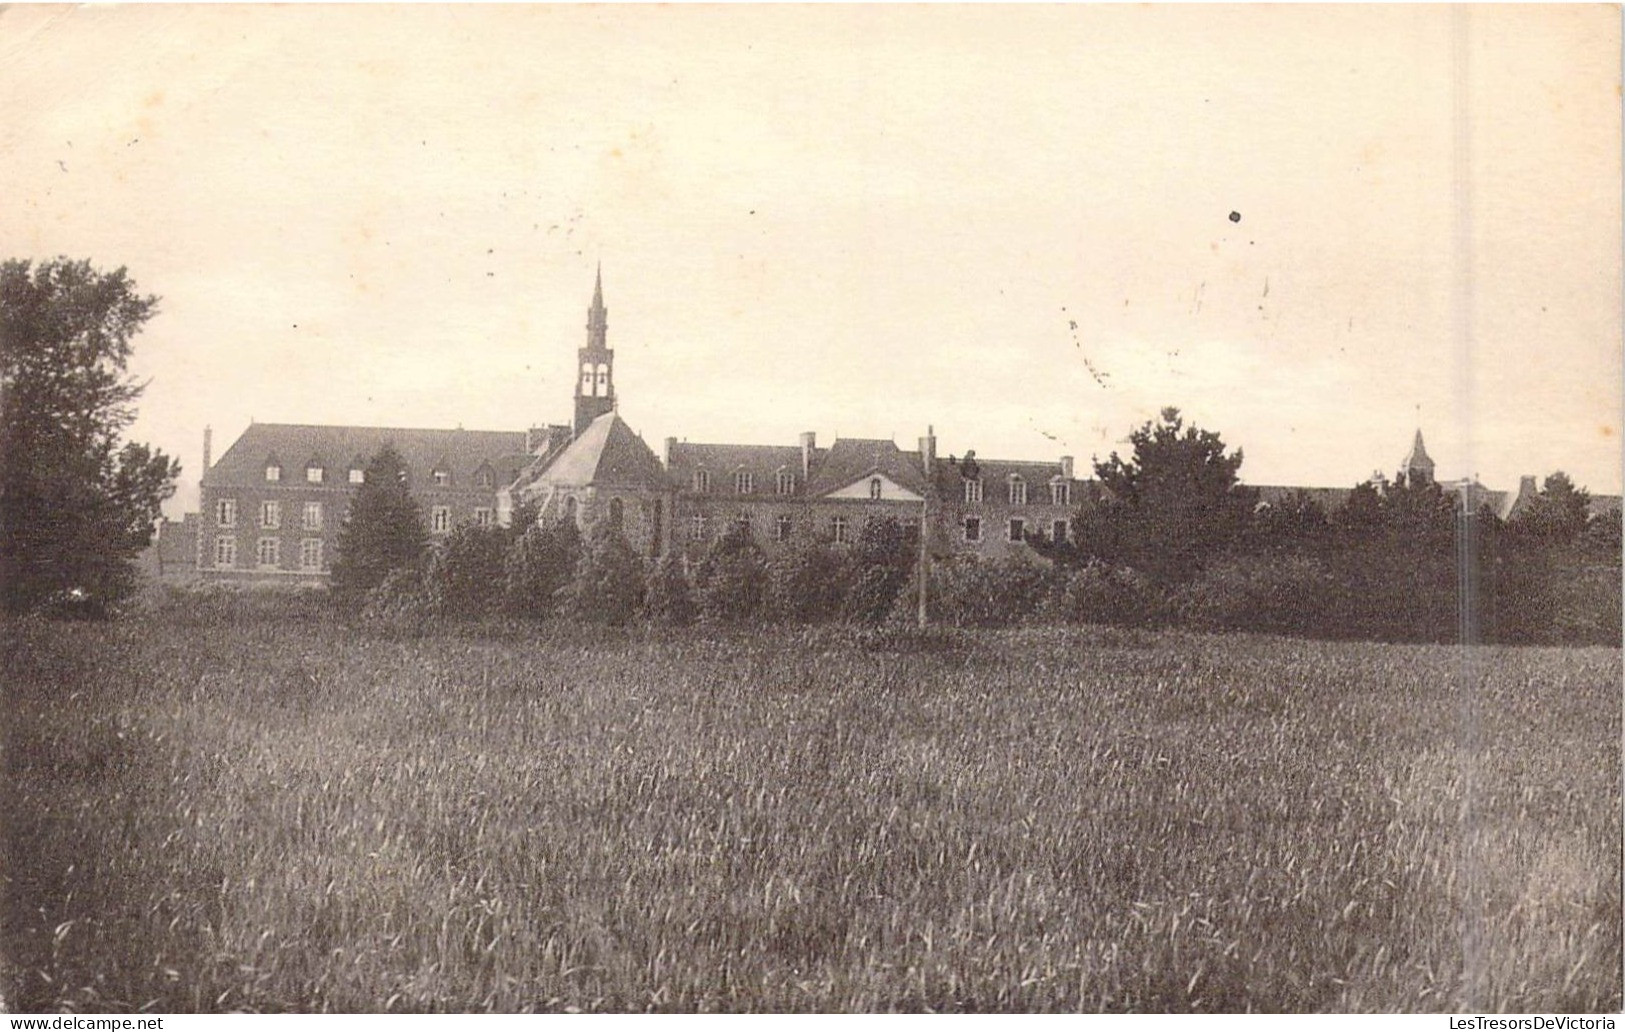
(383, 530)
(1559, 511)
(1176, 502)
(76, 506)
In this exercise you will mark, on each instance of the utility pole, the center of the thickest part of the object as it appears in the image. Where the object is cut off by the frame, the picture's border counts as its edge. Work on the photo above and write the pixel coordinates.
(924, 568)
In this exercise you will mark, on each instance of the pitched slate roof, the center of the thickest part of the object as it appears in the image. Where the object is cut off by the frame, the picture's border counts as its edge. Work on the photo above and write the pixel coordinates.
(460, 453)
(606, 454)
(851, 459)
(762, 461)
(994, 472)
(1330, 498)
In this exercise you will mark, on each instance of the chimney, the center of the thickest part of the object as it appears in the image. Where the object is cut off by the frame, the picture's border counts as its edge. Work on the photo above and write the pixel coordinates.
(208, 447)
(1527, 488)
(671, 450)
(808, 443)
(928, 449)
(1066, 466)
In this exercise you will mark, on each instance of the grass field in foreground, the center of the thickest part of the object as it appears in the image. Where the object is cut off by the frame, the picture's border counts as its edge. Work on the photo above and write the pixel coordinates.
(285, 814)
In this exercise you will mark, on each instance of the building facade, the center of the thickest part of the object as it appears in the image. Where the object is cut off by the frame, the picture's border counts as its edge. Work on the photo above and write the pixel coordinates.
(273, 505)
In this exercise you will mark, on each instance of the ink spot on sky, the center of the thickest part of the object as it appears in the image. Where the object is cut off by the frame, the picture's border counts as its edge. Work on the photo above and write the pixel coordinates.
(1235, 216)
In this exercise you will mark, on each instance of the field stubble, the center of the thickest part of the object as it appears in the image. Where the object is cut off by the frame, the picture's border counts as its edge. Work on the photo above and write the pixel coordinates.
(282, 814)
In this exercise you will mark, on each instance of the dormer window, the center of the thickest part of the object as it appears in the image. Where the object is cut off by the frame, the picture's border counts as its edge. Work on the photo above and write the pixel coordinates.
(744, 483)
(273, 473)
(314, 474)
(485, 479)
(1018, 490)
(973, 490)
(1060, 491)
(441, 477)
(702, 481)
(875, 487)
(786, 482)
(357, 475)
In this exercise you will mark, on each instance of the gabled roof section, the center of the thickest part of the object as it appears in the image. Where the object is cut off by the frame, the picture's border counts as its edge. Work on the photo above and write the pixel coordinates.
(722, 461)
(994, 473)
(852, 459)
(463, 451)
(606, 454)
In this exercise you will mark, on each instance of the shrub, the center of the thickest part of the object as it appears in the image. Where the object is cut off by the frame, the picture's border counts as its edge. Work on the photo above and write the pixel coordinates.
(400, 606)
(1284, 595)
(465, 572)
(732, 580)
(667, 598)
(538, 566)
(608, 582)
(806, 582)
(1102, 593)
(968, 591)
(880, 566)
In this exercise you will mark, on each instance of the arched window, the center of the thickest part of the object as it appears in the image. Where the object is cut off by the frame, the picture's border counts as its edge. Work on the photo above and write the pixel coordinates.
(874, 487)
(586, 379)
(570, 508)
(603, 380)
(616, 512)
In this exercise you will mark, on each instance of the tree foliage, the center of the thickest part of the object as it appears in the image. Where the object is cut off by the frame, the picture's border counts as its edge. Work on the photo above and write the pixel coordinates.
(607, 587)
(466, 569)
(667, 597)
(732, 579)
(76, 506)
(382, 532)
(1174, 504)
(539, 566)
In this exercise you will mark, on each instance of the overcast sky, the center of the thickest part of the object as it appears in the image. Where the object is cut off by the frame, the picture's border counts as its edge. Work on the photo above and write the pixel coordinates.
(1310, 228)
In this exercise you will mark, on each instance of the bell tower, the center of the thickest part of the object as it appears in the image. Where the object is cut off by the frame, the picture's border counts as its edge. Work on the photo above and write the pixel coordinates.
(595, 380)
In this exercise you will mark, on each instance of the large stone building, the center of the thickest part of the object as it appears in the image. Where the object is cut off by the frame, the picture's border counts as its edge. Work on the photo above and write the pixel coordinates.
(271, 507)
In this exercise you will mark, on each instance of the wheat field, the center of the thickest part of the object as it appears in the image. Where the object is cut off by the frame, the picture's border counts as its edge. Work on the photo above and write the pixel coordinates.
(285, 812)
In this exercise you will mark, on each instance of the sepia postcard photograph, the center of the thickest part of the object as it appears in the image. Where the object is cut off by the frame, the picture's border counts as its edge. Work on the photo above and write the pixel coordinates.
(818, 509)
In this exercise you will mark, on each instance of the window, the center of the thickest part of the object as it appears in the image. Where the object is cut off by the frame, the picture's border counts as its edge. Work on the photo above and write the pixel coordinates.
(313, 516)
(485, 479)
(837, 528)
(441, 477)
(1060, 492)
(1018, 530)
(782, 527)
(875, 487)
(696, 527)
(314, 474)
(484, 518)
(617, 512)
(269, 552)
(586, 379)
(310, 554)
(786, 482)
(1018, 491)
(973, 527)
(270, 515)
(1059, 530)
(742, 521)
(973, 490)
(702, 481)
(225, 552)
(225, 512)
(744, 483)
(358, 476)
(273, 473)
(440, 519)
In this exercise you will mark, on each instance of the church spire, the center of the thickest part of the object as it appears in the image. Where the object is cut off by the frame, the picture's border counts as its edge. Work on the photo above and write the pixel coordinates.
(595, 390)
(1418, 468)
